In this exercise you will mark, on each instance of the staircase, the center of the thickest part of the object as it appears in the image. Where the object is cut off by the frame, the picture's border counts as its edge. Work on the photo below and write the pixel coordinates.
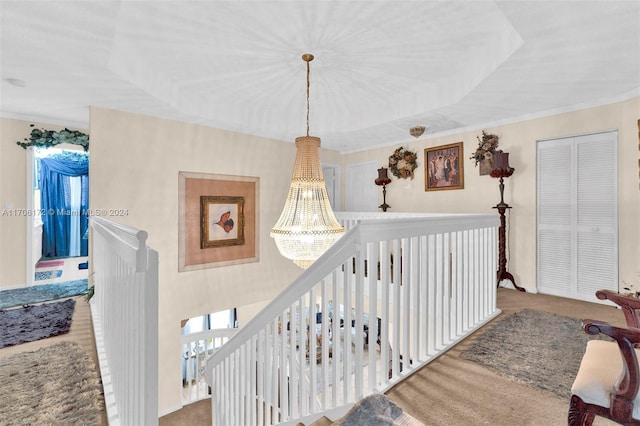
(394, 293)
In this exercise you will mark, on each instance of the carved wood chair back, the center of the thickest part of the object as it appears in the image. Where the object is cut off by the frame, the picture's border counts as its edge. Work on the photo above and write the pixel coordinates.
(629, 305)
(608, 380)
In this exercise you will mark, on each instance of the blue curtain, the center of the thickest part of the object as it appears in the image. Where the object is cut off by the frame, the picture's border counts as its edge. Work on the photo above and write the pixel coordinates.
(55, 201)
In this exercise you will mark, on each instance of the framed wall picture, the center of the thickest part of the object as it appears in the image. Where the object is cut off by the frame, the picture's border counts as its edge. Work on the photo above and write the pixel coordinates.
(218, 220)
(221, 221)
(444, 168)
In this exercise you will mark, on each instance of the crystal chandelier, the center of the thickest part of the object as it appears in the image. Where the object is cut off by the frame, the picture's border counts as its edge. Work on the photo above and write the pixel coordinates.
(307, 226)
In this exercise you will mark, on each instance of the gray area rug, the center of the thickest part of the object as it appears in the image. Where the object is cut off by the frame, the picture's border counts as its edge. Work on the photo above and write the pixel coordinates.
(35, 322)
(540, 349)
(42, 293)
(55, 385)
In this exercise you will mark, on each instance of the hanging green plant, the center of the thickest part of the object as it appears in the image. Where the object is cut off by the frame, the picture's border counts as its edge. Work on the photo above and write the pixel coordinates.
(42, 138)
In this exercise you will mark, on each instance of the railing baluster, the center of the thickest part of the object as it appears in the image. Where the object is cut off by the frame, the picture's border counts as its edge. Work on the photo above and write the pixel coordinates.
(397, 291)
(242, 377)
(338, 283)
(385, 288)
(457, 285)
(415, 297)
(421, 299)
(312, 358)
(373, 251)
(346, 356)
(406, 305)
(274, 347)
(252, 400)
(294, 373)
(266, 375)
(358, 313)
(446, 289)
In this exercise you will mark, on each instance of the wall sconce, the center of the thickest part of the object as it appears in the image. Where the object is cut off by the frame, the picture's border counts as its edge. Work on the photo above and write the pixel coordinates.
(501, 170)
(383, 180)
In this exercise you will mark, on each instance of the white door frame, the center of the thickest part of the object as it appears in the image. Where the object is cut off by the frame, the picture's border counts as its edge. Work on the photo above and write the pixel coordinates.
(30, 261)
(335, 182)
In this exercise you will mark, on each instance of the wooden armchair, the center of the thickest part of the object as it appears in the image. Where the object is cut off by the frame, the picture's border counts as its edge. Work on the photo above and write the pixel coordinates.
(607, 382)
(629, 305)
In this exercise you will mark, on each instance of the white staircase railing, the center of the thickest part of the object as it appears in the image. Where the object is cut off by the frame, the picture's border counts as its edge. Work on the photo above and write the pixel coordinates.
(387, 298)
(124, 309)
(196, 348)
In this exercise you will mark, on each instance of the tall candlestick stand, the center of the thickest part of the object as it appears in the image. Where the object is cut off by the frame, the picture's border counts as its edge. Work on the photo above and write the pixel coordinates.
(502, 171)
(383, 180)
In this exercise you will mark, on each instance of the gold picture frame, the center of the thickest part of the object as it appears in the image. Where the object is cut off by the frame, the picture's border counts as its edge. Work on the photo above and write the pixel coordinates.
(444, 167)
(221, 221)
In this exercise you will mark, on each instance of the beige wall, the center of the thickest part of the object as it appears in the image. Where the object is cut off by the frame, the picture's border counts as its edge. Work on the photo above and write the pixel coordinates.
(12, 196)
(481, 193)
(134, 165)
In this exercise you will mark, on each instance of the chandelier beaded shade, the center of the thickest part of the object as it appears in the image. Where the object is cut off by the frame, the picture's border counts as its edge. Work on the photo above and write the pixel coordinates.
(307, 226)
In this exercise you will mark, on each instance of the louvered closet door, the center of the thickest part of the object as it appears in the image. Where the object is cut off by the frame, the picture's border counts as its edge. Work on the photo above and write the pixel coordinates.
(556, 212)
(577, 215)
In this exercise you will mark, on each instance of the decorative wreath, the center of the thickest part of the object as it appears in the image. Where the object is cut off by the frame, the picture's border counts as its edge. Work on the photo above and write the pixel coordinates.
(402, 163)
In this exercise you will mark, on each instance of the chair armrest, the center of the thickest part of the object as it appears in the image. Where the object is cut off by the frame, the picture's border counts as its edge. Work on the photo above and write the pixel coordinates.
(626, 389)
(630, 305)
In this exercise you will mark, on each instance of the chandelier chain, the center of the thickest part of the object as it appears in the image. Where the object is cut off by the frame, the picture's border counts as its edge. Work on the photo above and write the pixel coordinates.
(308, 88)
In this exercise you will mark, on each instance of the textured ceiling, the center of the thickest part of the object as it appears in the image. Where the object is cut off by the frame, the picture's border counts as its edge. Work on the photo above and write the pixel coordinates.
(380, 66)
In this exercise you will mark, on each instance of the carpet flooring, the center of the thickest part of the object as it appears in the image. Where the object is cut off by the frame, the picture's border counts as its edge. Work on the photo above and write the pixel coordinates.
(55, 385)
(448, 391)
(536, 348)
(42, 293)
(35, 322)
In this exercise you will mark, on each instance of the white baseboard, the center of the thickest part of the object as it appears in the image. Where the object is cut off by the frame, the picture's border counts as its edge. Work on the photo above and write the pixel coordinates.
(170, 410)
